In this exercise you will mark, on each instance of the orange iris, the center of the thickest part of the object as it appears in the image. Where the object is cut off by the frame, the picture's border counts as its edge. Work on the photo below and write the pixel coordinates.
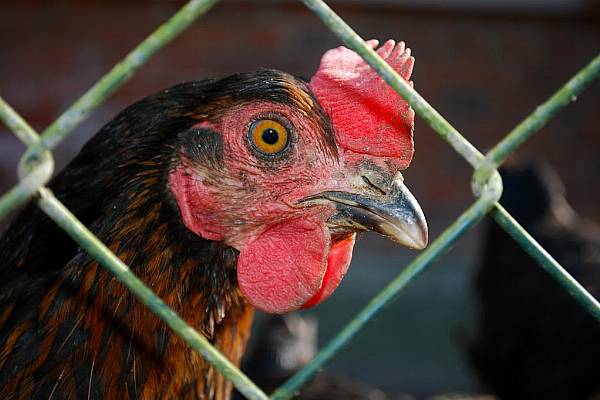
(268, 136)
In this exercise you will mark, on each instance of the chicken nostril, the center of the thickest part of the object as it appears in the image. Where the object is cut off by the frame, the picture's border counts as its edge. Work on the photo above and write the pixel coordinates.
(373, 186)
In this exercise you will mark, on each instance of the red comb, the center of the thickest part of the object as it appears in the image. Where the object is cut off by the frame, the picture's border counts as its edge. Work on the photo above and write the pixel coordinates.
(369, 117)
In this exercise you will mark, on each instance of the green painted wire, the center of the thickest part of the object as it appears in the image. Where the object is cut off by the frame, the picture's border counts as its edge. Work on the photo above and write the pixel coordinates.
(27, 187)
(17, 124)
(538, 253)
(535, 121)
(31, 179)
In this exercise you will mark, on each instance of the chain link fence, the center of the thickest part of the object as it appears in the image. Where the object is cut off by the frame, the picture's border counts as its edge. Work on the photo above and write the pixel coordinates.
(36, 168)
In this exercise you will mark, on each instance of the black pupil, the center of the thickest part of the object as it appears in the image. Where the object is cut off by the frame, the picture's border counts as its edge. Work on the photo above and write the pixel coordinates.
(270, 136)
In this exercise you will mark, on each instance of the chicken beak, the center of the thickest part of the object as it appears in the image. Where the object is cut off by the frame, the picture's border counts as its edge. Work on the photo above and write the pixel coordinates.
(394, 213)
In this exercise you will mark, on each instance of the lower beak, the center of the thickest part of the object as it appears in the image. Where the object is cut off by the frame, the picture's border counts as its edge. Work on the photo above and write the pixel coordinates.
(395, 214)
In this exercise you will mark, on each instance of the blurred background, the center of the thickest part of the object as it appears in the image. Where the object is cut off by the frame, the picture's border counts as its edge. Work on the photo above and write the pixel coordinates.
(483, 64)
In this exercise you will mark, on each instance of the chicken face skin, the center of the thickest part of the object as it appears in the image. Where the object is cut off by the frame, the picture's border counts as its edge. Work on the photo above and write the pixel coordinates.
(241, 191)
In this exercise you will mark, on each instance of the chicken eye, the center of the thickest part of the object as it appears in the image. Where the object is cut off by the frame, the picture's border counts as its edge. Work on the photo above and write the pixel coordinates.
(268, 137)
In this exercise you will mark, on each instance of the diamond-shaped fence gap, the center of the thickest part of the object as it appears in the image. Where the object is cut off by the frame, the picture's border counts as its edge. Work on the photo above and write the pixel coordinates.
(36, 168)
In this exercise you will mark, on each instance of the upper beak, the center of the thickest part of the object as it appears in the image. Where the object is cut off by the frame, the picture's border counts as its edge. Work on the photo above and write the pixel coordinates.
(393, 213)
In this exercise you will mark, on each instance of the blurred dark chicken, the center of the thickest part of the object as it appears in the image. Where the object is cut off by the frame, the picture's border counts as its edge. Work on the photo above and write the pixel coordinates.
(285, 344)
(219, 194)
(535, 341)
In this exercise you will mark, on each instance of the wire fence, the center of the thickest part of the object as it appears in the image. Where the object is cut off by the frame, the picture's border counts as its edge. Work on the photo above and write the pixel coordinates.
(36, 167)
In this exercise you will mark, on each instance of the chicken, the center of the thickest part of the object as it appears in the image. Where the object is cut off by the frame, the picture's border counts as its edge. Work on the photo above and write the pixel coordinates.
(285, 344)
(282, 345)
(534, 340)
(221, 195)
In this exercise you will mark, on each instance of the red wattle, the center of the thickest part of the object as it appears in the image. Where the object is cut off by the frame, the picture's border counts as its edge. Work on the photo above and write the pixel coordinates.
(284, 266)
(338, 262)
(293, 265)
